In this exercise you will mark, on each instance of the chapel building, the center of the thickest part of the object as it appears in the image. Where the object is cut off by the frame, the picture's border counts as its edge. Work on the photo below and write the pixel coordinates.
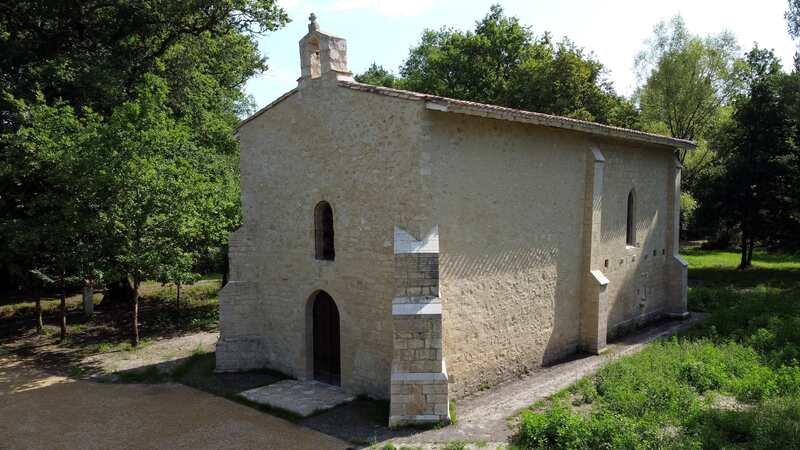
(412, 247)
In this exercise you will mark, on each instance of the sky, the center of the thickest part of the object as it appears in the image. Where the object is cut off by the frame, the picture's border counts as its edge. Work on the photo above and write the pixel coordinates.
(383, 31)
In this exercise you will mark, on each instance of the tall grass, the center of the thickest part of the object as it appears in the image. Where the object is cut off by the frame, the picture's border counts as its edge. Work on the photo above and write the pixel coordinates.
(731, 382)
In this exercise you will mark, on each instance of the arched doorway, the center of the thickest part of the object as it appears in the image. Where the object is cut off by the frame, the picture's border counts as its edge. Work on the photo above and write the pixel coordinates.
(325, 319)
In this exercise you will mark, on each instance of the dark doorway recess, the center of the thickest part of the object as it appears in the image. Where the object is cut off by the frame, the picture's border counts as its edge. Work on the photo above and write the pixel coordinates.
(327, 362)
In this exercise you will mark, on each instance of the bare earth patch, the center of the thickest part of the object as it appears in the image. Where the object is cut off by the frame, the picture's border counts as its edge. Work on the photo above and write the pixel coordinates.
(165, 354)
(729, 403)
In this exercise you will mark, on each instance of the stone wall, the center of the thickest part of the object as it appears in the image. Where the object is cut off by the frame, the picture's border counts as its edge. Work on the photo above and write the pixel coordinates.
(511, 203)
(360, 153)
(638, 275)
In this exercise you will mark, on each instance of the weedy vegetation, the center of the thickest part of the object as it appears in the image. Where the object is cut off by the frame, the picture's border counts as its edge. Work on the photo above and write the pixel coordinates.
(732, 381)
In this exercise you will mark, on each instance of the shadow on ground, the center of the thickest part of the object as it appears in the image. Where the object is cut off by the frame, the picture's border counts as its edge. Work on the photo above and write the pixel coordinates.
(106, 332)
(362, 422)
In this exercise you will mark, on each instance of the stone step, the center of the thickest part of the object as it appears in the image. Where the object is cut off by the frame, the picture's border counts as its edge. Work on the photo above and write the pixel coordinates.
(303, 398)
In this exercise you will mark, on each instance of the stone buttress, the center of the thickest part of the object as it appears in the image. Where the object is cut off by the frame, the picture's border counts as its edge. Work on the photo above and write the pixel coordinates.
(594, 306)
(678, 267)
(241, 344)
(419, 376)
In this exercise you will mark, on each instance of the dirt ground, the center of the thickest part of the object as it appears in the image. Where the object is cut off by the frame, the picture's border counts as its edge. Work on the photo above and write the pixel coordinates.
(41, 410)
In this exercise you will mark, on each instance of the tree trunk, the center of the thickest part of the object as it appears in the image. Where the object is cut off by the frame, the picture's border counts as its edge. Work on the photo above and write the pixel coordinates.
(750, 251)
(743, 261)
(38, 299)
(88, 298)
(178, 297)
(746, 232)
(135, 303)
(63, 308)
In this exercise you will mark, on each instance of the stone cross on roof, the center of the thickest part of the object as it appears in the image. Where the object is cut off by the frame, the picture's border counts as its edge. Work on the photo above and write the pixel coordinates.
(313, 25)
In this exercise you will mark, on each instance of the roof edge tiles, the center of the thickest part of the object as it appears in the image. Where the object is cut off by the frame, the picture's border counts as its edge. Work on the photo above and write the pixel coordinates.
(444, 104)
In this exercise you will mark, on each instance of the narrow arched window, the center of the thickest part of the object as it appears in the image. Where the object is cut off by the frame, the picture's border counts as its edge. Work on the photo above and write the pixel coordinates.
(323, 232)
(630, 228)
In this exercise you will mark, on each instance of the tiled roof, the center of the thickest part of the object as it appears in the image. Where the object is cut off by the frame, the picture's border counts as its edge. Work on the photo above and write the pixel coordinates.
(437, 103)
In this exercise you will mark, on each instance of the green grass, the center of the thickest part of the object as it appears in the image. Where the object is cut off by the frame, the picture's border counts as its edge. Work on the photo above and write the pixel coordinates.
(718, 269)
(731, 382)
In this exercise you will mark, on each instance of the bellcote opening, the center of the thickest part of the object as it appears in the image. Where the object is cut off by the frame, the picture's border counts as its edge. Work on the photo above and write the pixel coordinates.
(313, 52)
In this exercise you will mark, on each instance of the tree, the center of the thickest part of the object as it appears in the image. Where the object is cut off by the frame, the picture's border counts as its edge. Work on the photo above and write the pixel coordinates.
(502, 62)
(178, 271)
(95, 56)
(686, 83)
(378, 76)
(165, 195)
(759, 154)
(38, 281)
(793, 19)
(49, 216)
(95, 52)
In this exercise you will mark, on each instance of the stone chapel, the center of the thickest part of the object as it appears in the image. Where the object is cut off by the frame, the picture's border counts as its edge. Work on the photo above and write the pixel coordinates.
(412, 247)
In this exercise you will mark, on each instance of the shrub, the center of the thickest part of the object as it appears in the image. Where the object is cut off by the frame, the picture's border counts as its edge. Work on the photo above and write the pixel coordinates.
(557, 428)
(586, 391)
(759, 383)
(701, 375)
(776, 423)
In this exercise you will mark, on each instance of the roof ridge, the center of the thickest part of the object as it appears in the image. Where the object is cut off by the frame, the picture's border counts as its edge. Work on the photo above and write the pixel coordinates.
(519, 115)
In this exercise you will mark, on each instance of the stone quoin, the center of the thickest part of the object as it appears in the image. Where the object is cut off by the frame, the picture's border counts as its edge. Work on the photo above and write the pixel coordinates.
(416, 248)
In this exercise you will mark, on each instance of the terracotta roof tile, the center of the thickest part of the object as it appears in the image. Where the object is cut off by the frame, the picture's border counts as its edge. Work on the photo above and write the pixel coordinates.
(445, 104)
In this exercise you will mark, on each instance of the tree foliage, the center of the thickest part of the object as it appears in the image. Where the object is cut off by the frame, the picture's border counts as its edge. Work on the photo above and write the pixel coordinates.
(378, 76)
(502, 62)
(755, 190)
(94, 52)
(686, 83)
(116, 132)
(793, 18)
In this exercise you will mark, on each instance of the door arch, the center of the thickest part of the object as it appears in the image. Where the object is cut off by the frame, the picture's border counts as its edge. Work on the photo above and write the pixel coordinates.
(326, 343)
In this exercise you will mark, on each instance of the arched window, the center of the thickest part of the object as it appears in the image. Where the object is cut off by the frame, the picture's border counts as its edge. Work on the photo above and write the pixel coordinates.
(630, 229)
(323, 231)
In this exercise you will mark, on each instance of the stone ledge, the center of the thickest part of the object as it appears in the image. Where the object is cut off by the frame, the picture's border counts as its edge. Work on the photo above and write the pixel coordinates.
(303, 398)
(419, 377)
(423, 419)
(412, 306)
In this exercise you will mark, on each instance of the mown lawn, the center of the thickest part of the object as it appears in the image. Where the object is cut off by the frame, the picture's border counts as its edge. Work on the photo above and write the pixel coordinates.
(731, 382)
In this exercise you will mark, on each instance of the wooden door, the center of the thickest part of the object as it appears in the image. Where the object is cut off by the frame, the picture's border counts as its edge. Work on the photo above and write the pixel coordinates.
(327, 364)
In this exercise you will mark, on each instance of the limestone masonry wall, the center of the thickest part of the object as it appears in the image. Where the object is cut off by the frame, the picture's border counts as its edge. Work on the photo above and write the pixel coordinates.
(511, 204)
(638, 275)
(509, 198)
(359, 152)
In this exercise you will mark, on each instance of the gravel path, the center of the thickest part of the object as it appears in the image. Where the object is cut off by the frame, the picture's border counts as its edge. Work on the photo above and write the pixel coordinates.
(45, 411)
(483, 417)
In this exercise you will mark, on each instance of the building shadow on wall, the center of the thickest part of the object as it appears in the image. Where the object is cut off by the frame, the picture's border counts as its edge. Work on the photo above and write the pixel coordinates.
(641, 274)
